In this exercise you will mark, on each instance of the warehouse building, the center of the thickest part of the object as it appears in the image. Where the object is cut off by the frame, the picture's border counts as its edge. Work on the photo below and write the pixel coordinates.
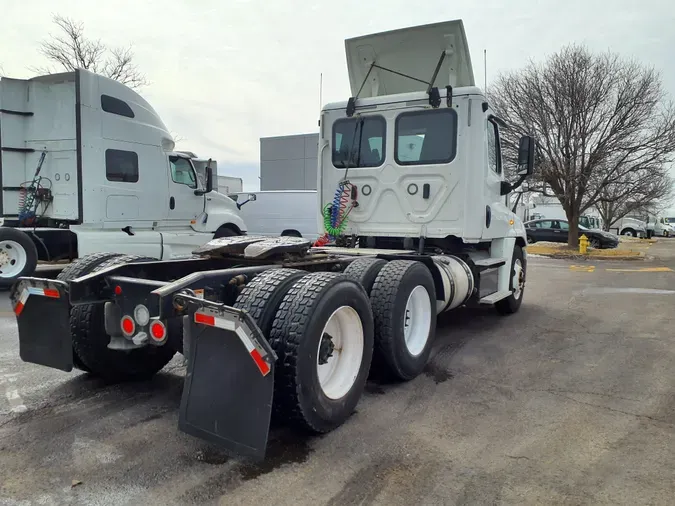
(289, 162)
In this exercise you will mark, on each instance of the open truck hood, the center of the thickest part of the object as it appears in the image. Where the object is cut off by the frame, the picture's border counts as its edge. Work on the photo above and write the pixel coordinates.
(412, 51)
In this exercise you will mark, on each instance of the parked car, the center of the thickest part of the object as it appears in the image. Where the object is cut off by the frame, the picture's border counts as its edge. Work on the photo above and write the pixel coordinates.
(557, 231)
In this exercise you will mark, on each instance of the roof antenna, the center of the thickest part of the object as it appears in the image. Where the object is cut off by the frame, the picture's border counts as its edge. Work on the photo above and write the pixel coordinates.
(485, 69)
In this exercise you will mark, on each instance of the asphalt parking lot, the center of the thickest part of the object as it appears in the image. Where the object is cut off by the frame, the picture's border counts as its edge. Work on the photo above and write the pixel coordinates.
(570, 401)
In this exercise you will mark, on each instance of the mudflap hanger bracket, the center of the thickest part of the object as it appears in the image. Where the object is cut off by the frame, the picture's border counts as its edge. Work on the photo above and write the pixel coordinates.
(229, 383)
(42, 312)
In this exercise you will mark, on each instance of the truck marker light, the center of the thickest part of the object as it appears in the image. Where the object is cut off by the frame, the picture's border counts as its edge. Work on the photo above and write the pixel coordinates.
(33, 290)
(158, 331)
(222, 323)
(118, 290)
(128, 326)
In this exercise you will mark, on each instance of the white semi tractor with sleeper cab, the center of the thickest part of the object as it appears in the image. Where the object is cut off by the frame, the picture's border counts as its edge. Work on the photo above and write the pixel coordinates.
(88, 166)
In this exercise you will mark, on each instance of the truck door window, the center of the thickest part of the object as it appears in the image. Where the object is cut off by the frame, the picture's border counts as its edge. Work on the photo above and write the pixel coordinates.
(494, 151)
(359, 142)
(426, 137)
(121, 166)
(182, 172)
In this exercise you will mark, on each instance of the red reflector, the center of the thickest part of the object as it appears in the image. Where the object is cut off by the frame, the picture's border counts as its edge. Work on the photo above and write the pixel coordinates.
(205, 319)
(54, 294)
(128, 325)
(118, 290)
(262, 365)
(18, 308)
(157, 331)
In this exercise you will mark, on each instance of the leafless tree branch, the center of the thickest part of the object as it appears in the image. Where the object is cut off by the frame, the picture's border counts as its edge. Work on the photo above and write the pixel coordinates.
(601, 124)
(70, 49)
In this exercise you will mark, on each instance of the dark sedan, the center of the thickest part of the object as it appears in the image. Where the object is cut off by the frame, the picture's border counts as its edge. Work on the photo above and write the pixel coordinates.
(557, 231)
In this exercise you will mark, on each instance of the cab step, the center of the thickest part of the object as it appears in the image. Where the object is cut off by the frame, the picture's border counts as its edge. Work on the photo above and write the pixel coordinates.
(489, 263)
(495, 297)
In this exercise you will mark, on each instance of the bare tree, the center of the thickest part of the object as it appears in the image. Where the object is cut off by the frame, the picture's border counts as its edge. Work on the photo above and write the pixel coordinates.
(71, 50)
(598, 121)
(641, 193)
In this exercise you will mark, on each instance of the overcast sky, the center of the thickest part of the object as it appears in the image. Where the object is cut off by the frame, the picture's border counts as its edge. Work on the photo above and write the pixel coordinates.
(225, 73)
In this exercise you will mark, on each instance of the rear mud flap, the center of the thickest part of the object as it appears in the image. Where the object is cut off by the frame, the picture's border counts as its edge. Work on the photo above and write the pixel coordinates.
(42, 310)
(229, 385)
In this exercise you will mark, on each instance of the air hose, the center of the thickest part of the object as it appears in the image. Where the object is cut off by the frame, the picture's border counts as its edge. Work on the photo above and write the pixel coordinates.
(336, 213)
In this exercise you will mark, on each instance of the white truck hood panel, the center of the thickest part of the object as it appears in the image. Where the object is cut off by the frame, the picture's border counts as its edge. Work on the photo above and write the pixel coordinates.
(412, 51)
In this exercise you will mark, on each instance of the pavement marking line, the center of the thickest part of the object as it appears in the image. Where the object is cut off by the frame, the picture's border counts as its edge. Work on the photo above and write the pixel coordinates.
(643, 269)
(615, 290)
(582, 268)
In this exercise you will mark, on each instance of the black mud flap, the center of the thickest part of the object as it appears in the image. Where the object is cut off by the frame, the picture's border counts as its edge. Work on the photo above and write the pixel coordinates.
(229, 385)
(42, 310)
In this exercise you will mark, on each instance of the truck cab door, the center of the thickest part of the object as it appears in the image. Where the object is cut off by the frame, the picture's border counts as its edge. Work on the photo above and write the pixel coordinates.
(184, 206)
(493, 179)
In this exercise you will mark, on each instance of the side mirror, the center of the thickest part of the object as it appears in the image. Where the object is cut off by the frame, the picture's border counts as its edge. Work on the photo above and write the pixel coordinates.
(209, 180)
(251, 197)
(525, 164)
(526, 156)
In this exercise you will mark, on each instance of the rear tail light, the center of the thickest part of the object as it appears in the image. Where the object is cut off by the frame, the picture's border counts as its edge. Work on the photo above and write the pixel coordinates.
(158, 331)
(128, 326)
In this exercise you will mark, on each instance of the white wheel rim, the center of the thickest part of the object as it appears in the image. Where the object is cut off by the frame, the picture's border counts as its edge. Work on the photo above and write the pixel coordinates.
(518, 280)
(629, 233)
(340, 370)
(13, 259)
(417, 320)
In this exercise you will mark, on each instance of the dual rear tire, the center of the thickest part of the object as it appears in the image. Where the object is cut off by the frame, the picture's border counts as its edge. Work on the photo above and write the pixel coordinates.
(403, 297)
(327, 328)
(321, 328)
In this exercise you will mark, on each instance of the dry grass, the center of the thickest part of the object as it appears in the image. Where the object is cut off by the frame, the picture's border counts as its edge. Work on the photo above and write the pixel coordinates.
(625, 251)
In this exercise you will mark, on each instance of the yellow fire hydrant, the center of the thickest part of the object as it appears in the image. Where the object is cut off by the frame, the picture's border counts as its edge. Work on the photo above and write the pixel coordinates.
(583, 244)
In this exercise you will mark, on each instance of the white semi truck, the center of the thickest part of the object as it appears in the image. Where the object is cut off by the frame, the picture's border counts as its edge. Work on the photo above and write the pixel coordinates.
(272, 323)
(88, 166)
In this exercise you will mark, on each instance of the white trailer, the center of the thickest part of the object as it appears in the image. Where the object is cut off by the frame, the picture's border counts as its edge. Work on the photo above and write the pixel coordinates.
(280, 212)
(86, 166)
(411, 194)
(228, 185)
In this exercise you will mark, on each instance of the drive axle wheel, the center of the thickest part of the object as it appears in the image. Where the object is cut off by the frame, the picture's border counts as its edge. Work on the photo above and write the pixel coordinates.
(262, 296)
(512, 303)
(340, 352)
(18, 256)
(90, 341)
(323, 335)
(365, 270)
(403, 299)
(79, 268)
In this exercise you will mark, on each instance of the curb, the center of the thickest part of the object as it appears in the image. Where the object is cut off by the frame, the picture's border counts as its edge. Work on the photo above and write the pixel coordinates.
(578, 256)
